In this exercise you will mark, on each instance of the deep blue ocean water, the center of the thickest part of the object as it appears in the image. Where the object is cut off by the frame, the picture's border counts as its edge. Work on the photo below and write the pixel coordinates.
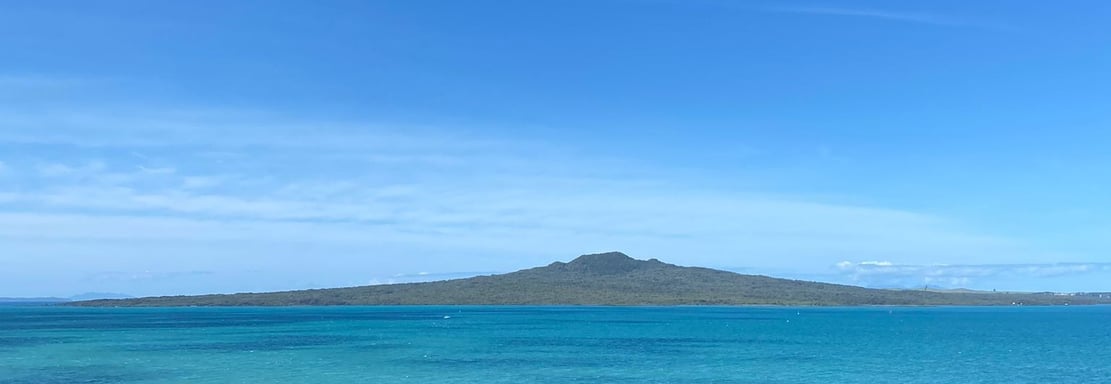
(46, 345)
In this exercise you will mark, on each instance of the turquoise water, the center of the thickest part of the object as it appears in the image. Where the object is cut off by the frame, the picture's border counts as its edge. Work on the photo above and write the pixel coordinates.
(43, 345)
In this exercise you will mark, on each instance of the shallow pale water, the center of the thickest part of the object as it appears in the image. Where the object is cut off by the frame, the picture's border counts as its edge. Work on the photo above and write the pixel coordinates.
(43, 345)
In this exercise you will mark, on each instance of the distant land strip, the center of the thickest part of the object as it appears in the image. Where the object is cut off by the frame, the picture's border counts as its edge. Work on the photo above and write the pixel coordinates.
(613, 279)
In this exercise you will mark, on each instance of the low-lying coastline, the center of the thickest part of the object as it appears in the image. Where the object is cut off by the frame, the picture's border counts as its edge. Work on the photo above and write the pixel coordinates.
(611, 279)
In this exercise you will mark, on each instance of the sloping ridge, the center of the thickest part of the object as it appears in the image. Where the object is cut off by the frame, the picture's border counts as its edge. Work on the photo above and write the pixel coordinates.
(602, 279)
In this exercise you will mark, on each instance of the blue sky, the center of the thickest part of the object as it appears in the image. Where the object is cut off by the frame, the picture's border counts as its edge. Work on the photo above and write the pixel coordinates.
(176, 148)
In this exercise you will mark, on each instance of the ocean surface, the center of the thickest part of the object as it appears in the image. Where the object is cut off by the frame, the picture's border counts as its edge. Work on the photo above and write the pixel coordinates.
(46, 345)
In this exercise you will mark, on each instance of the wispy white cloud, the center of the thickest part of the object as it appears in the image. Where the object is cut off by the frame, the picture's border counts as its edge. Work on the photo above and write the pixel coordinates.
(885, 273)
(203, 191)
(715, 227)
(427, 276)
(895, 16)
(156, 170)
(199, 182)
(139, 276)
(147, 130)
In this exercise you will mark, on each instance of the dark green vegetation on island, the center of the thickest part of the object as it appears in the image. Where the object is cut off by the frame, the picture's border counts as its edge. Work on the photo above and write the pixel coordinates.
(609, 279)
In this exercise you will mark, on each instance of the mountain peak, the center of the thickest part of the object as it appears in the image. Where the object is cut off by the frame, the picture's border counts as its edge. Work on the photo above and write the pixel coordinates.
(607, 263)
(606, 256)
